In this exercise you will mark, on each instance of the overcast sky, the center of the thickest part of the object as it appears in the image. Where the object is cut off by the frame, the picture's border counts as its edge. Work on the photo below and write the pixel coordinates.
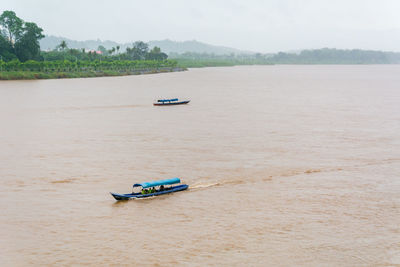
(264, 26)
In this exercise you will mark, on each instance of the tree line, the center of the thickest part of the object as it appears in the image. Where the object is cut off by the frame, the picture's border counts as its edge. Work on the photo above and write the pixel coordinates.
(139, 51)
(20, 51)
(336, 56)
(315, 56)
(19, 41)
(196, 60)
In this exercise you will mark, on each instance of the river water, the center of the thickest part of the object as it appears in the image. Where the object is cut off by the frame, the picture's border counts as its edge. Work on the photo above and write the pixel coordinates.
(287, 165)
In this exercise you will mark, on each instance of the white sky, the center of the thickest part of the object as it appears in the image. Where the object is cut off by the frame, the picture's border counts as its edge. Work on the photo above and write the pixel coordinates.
(264, 26)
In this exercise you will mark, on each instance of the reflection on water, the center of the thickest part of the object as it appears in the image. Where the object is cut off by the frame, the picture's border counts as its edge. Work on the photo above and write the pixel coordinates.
(287, 165)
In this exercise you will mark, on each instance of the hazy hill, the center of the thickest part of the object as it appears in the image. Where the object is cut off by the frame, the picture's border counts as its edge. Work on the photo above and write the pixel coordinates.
(50, 42)
(194, 46)
(167, 46)
(196, 52)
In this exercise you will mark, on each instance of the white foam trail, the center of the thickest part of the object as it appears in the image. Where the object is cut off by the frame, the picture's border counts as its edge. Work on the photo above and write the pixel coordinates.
(198, 186)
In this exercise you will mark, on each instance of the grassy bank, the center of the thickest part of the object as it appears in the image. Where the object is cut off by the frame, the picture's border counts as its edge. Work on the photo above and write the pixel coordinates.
(34, 75)
(31, 69)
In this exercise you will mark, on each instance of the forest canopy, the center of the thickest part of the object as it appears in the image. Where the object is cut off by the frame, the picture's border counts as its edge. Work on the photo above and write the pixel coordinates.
(18, 39)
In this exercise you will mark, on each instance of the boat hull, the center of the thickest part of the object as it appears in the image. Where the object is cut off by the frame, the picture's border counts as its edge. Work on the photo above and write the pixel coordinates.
(140, 195)
(170, 103)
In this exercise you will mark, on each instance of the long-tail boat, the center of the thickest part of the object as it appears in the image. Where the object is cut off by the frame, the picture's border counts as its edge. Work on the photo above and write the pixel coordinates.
(172, 101)
(154, 188)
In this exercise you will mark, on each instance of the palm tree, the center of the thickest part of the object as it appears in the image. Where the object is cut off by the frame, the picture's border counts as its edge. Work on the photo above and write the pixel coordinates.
(119, 57)
(63, 45)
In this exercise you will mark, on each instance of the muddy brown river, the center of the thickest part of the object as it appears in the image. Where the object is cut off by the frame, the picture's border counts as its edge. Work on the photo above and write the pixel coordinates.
(287, 166)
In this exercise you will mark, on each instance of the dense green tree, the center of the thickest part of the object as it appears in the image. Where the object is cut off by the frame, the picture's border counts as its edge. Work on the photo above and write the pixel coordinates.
(138, 51)
(27, 46)
(12, 26)
(6, 51)
(156, 54)
(19, 38)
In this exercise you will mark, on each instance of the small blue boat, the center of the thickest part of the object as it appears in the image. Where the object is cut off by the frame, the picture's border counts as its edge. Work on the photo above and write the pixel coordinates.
(156, 188)
(172, 101)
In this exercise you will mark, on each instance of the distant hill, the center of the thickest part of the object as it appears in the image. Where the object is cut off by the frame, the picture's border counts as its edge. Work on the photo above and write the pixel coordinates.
(167, 46)
(50, 42)
(194, 46)
(195, 51)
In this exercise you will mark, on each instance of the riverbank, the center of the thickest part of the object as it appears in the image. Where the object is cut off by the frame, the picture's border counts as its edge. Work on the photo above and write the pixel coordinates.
(37, 75)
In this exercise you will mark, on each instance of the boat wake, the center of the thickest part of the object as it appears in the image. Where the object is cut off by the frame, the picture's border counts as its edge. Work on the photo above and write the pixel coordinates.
(203, 185)
(271, 174)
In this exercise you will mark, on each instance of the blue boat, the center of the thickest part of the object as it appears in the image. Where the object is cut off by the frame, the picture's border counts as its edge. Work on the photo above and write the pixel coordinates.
(156, 188)
(172, 101)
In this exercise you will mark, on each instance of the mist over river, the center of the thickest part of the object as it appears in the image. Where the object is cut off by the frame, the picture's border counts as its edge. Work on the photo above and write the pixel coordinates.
(287, 166)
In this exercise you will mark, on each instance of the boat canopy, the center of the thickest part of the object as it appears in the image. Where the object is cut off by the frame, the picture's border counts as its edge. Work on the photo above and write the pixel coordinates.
(167, 100)
(157, 183)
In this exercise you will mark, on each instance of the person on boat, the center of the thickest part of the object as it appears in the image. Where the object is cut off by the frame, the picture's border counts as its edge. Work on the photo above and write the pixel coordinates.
(161, 188)
(153, 190)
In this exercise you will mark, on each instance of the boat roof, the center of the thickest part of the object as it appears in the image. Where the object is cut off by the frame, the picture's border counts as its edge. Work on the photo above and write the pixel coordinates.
(160, 182)
(167, 100)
